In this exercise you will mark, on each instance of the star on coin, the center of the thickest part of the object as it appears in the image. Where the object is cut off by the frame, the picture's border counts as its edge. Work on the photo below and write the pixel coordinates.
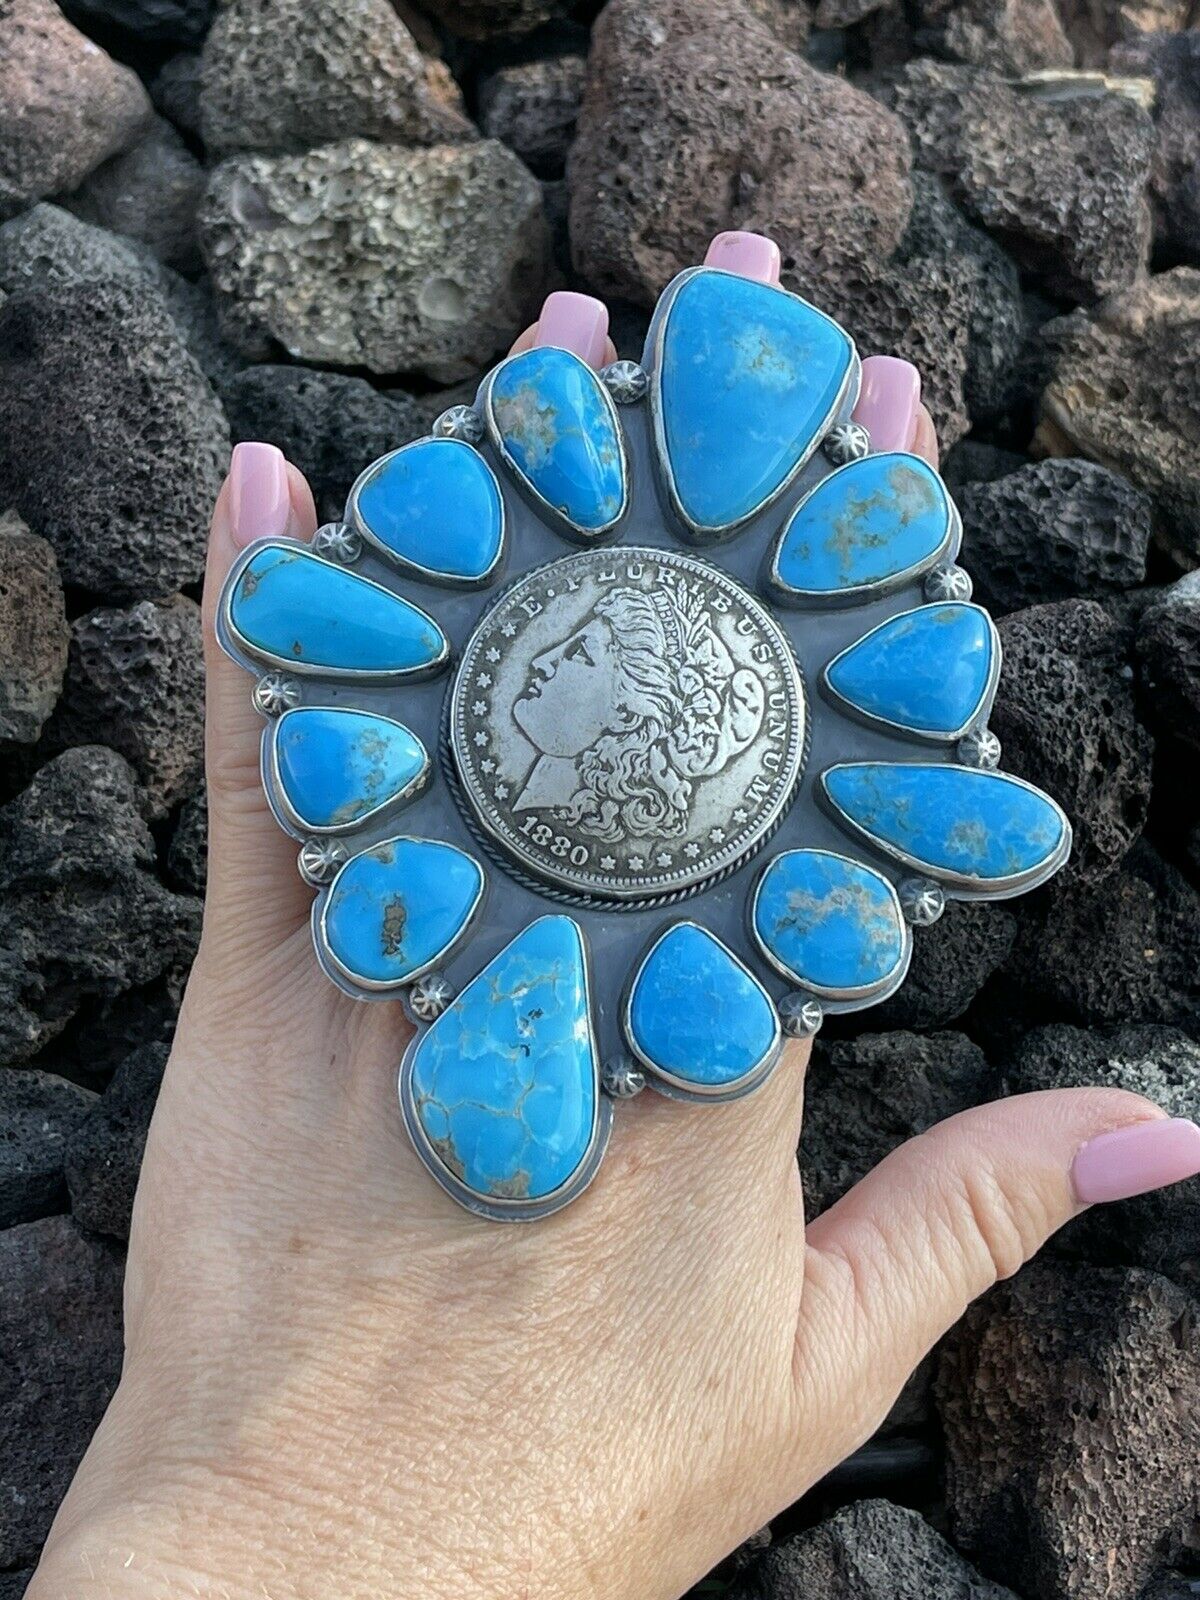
(716, 835)
(478, 707)
(663, 859)
(484, 681)
(692, 850)
(492, 654)
(608, 863)
(509, 629)
(740, 814)
(487, 766)
(637, 863)
(480, 739)
(501, 791)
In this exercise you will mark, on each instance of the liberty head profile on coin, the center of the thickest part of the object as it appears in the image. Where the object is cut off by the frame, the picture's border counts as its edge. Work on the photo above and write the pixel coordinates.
(628, 723)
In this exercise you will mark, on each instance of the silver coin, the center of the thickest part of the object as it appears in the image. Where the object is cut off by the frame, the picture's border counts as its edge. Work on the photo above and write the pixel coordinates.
(628, 723)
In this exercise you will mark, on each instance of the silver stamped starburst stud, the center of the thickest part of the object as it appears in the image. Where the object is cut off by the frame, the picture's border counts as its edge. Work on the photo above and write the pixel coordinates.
(429, 997)
(336, 541)
(980, 748)
(800, 1015)
(459, 422)
(845, 442)
(275, 693)
(321, 859)
(621, 1078)
(626, 381)
(948, 583)
(922, 901)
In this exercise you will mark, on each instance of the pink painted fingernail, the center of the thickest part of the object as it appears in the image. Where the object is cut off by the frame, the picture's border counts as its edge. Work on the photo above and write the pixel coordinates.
(750, 255)
(1134, 1160)
(575, 322)
(888, 401)
(260, 500)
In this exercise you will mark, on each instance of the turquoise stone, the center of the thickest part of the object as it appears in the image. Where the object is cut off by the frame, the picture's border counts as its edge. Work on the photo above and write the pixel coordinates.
(875, 521)
(556, 429)
(399, 907)
(927, 670)
(974, 828)
(290, 607)
(504, 1084)
(435, 505)
(697, 1015)
(335, 767)
(748, 379)
(832, 924)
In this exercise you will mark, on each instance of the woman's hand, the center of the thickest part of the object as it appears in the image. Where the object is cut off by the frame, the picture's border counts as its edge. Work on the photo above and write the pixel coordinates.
(338, 1383)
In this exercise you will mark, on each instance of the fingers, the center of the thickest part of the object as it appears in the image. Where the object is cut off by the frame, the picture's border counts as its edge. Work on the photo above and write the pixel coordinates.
(576, 322)
(896, 1261)
(252, 869)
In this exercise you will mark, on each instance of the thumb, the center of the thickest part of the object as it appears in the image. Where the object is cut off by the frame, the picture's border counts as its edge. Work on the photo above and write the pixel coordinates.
(895, 1262)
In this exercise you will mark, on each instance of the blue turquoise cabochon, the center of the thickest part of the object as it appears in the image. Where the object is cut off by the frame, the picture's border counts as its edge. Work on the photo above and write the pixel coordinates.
(832, 925)
(335, 767)
(434, 506)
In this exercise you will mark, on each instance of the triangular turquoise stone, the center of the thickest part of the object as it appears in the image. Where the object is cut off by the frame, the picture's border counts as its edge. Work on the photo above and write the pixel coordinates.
(975, 829)
(436, 506)
(697, 1016)
(928, 671)
(335, 767)
(504, 1085)
(748, 380)
(556, 429)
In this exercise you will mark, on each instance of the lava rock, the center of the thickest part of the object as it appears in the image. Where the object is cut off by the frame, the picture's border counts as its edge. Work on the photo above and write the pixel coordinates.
(532, 107)
(1161, 1230)
(483, 19)
(1123, 392)
(14, 1584)
(33, 632)
(104, 1153)
(1068, 1398)
(1011, 36)
(661, 160)
(1168, 646)
(330, 425)
(38, 1113)
(870, 1094)
(1094, 27)
(104, 1032)
(368, 255)
(112, 444)
(1062, 181)
(187, 854)
(65, 106)
(951, 962)
(135, 678)
(151, 193)
(871, 1550)
(1066, 718)
(1054, 529)
(1173, 61)
(976, 461)
(60, 1358)
(154, 21)
(175, 90)
(283, 75)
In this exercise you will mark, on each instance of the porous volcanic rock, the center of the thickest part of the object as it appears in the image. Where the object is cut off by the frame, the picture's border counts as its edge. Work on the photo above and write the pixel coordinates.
(104, 1151)
(662, 161)
(951, 962)
(369, 255)
(484, 19)
(65, 106)
(150, 193)
(187, 854)
(1068, 1397)
(112, 444)
(33, 632)
(38, 1112)
(284, 75)
(175, 90)
(153, 21)
(1094, 27)
(1007, 36)
(532, 107)
(1168, 646)
(1173, 61)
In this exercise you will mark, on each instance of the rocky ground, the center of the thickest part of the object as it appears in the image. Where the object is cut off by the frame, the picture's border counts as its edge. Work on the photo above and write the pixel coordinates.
(312, 221)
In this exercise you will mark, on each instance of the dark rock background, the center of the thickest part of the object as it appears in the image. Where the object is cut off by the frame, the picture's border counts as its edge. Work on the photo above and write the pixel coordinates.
(305, 220)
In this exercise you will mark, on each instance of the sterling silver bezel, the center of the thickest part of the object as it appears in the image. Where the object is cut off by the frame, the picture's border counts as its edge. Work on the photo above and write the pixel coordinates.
(289, 819)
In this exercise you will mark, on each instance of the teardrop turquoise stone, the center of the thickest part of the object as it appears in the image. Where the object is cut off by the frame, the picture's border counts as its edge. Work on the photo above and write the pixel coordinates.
(927, 670)
(974, 828)
(436, 505)
(290, 607)
(877, 520)
(832, 924)
(398, 907)
(748, 380)
(335, 767)
(504, 1084)
(696, 1014)
(555, 428)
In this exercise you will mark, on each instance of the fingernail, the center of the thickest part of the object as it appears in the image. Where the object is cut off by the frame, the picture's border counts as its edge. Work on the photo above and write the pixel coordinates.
(750, 255)
(924, 441)
(1134, 1160)
(575, 322)
(888, 401)
(260, 501)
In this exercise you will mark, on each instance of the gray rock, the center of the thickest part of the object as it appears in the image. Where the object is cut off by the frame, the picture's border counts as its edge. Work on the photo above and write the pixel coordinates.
(976, 461)
(368, 255)
(135, 678)
(151, 193)
(1095, 26)
(1068, 1398)
(1006, 36)
(951, 962)
(175, 90)
(532, 107)
(867, 1095)
(1123, 392)
(154, 21)
(330, 425)
(482, 19)
(14, 1584)
(1173, 61)
(1051, 530)
(871, 1550)
(33, 632)
(1067, 720)
(187, 854)
(65, 106)
(1168, 647)
(1172, 1586)
(662, 161)
(112, 444)
(104, 1152)
(284, 75)
(1161, 1230)
(1061, 181)
(82, 914)
(38, 1115)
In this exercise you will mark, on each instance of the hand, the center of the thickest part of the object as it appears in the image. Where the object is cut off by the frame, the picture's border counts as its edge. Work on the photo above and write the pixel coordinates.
(338, 1383)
